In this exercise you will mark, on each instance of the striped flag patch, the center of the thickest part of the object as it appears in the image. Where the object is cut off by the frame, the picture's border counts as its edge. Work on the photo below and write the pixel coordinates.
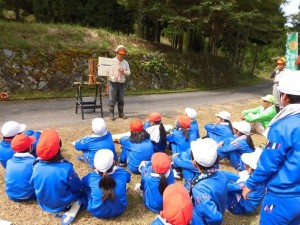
(272, 145)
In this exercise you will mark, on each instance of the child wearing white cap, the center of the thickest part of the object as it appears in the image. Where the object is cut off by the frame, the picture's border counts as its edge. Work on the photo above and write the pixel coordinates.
(236, 203)
(208, 189)
(156, 175)
(233, 148)
(194, 129)
(278, 164)
(9, 130)
(220, 130)
(100, 139)
(106, 186)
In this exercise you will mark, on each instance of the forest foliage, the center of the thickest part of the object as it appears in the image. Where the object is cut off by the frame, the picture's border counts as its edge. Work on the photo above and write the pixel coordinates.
(244, 32)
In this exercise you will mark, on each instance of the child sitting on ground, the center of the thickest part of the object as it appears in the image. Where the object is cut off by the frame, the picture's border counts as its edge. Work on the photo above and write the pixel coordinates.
(179, 140)
(177, 207)
(155, 177)
(106, 186)
(57, 185)
(220, 130)
(194, 130)
(9, 130)
(235, 202)
(19, 169)
(236, 146)
(208, 189)
(135, 148)
(156, 129)
(100, 139)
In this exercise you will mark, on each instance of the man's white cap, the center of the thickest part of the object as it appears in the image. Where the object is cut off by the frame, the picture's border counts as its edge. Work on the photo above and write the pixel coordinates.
(99, 127)
(224, 115)
(12, 128)
(204, 151)
(192, 113)
(252, 158)
(290, 83)
(242, 126)
(103, 160)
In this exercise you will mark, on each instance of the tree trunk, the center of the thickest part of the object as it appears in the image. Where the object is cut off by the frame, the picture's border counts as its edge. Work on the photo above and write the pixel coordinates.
(18, 17)
(140, 19)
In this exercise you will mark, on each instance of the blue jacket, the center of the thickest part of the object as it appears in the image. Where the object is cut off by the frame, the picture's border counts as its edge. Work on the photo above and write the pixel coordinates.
(194, 131)
(219, 131)
(242, 206)
(178, 142)
(17, 177)
(5, 152)
(150, 184)
(108, 208)
(160, 221)
(91, 144)
(278, 164)
(184, 161)
(135, 153)
(234, 150)
(35, 134)
(56, 185)
(209, 199)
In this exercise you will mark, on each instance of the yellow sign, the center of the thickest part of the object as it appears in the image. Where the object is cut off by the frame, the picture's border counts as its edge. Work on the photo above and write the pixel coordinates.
(293, 45)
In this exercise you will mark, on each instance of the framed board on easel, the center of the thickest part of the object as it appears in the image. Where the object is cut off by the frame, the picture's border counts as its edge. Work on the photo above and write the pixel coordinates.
(107, 67)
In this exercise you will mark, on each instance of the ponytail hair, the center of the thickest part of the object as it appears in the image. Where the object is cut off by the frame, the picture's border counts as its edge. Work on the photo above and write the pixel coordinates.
(186, 133)
(163, 184)
(107, 184)
(230, 125)
(162, 133)
(250, 142)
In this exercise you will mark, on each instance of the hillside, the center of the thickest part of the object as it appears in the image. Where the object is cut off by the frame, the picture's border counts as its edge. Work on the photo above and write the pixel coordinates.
(49, 58)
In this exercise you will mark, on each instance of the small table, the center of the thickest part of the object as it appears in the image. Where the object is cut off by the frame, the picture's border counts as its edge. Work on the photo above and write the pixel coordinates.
(87, 96)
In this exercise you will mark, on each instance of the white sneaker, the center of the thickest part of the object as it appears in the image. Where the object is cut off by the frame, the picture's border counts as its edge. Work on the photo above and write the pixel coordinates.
(137, 188)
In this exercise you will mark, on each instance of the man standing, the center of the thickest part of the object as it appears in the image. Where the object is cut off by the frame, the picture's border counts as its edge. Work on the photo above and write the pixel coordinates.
(116, 84)
(276, 75)
(278, 166)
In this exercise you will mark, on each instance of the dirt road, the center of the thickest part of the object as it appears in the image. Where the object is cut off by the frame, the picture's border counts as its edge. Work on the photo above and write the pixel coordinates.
(38, 114)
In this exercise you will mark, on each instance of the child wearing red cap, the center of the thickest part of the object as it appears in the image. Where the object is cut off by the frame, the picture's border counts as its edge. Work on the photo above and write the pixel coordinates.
(179, 140)
(57, 185)
(19, 169)
(156, 176)
(135, 148)
(156, 129)
(177, 207)
(220, 130)
(106, 186)
(100, 139)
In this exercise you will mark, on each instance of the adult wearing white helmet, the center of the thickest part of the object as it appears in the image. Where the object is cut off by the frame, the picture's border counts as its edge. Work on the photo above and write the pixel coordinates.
(278, 165)
(116, 84)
